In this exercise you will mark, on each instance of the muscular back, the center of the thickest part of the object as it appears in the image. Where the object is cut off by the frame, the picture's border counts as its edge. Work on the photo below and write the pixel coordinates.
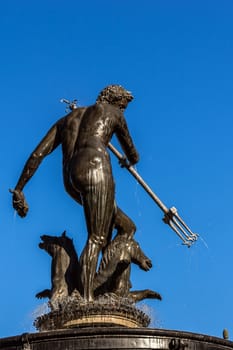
(68, 131)
(90, 163)
(99, 122)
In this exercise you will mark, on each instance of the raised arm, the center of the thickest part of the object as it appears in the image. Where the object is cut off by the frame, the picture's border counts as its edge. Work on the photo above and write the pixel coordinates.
(45, 147)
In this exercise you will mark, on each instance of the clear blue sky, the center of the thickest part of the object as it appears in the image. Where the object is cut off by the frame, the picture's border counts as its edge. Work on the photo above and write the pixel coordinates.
(177, 59)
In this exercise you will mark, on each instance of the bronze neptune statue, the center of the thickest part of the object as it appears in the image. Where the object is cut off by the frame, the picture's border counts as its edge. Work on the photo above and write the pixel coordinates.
(84, 135)
(80, 293)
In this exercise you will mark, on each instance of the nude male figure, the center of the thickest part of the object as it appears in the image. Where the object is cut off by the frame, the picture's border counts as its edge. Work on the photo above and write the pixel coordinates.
(84, 135)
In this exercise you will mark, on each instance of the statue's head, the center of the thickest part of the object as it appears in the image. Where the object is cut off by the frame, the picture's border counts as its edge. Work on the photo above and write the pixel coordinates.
(115, 95)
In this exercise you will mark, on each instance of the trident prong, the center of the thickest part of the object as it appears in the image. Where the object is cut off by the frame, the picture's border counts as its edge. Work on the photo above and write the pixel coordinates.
(71, 105)
(179, 226)
(171, 216)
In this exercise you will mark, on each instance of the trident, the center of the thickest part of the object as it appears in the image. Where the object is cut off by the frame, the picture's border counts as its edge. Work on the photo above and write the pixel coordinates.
(171, 216)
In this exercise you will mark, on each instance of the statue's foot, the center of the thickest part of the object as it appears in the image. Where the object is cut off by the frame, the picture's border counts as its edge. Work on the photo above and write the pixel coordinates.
(89, 297)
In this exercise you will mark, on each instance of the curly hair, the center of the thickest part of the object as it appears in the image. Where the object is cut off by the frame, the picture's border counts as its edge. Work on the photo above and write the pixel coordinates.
(113, 94)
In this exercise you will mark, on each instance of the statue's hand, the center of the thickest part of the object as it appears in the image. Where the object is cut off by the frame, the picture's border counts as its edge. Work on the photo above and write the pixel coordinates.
(133, 158)
(19, 203)
(124, 163)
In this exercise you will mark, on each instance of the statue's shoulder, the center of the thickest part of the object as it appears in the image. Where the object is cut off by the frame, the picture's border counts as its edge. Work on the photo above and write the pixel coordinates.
(97, 109)
(76, 113)
(70, 123)
(74, 116)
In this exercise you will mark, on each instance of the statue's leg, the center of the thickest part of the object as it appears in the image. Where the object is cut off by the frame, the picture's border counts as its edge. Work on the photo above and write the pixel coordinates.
(123, 224)
(114, 262)
(98, 202)
(88, 262)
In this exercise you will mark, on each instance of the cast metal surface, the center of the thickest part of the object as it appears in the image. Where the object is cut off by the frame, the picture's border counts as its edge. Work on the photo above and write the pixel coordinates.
(78, 290)
(114, 338)
(114, 302)
(84, 135)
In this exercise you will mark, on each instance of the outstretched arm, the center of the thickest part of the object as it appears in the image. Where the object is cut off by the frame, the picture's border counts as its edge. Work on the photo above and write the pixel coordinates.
(45, 147)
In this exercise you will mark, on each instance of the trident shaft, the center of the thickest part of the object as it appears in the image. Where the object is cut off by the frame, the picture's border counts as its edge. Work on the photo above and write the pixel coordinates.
(171, 216)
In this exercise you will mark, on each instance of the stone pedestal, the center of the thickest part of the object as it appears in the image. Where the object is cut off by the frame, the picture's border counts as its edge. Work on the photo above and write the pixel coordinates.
(105, 312)
(114, 338)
